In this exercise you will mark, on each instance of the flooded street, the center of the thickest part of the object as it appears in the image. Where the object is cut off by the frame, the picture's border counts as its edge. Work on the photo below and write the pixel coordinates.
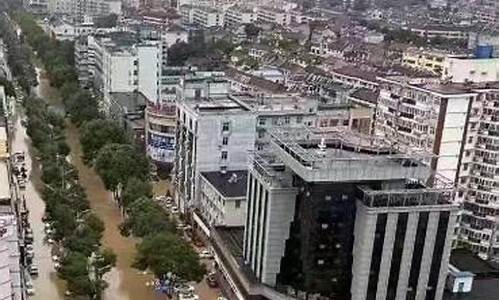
(125, 282)
(47, 284)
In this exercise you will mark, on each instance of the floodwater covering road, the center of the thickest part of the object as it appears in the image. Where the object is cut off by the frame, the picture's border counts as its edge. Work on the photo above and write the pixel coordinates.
(47, 285)
(125, 282)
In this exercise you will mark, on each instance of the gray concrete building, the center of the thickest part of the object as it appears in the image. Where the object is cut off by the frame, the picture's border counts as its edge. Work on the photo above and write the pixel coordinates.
(213, 133)
(340, 215)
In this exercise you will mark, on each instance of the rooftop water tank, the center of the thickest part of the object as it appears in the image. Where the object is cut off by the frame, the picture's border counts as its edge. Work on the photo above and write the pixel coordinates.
(483, 51)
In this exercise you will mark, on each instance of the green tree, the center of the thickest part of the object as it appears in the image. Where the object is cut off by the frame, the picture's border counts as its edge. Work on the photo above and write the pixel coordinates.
(134, 190)
(252, 31)
(74, 270)
(166, 252)
(145, 218)
(9, 88)
(82, 107)
(117, 163)
(97, 133)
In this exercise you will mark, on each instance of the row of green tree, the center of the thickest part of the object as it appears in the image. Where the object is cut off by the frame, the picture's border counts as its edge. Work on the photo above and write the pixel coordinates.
(18, 54)
(75, 229)
(58, 61)
(124, 170)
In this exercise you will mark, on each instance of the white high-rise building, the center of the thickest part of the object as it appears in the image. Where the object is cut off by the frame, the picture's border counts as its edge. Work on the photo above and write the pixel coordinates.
(214, 133)
(458, 123)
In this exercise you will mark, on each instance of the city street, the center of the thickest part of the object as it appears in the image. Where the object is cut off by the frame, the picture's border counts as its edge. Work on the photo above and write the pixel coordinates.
(47, 285)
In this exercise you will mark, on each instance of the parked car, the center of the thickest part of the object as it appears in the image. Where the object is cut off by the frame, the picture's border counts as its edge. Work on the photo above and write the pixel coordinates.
(30, 289)
(28, 235)
(188, 296)
(33, 270)
(30, 251)
(206, 254)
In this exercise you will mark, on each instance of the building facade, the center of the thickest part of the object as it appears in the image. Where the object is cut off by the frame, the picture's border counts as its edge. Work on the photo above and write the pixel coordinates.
(213, 133)
(325, 220)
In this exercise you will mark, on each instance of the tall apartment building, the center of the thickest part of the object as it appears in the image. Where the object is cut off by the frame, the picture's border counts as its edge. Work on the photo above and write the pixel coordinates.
(213, 133)
(94, 8)
(429, 117)
(478, 176)
(342, 216)
(207, 17)
(238, 15)
(36, 6)
(273, 15)
(118, 63)
(458, 123)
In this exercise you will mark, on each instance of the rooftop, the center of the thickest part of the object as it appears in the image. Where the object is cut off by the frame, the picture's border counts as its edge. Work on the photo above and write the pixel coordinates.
(130, 102)
(365, 94)
(344, 155)
(230, 184)
(215, 105)
(482, 289)
(465, 260)
(255, 81)
(278, 105)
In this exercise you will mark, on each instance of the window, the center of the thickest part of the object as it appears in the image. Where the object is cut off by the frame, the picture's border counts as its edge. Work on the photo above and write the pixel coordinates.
(261, 134)
(237, 204)
(299, 119)
(223, 155)
(346, 122)
(225, 126)
(262, 121)
(287, 120)
(225, 140)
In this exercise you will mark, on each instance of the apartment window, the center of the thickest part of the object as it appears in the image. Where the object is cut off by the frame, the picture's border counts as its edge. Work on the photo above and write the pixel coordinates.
(225, 126)
(470, 140)
(466, 166)
(237, 204)
(225, 140)
(287, 120)
(299, 119)
(223, 155)
(262, 121)
(197, 94)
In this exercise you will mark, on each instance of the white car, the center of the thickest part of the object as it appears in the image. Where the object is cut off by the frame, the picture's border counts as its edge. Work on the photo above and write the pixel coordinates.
(188, 296)
(30, 289)
(33, 270)
(205, 254)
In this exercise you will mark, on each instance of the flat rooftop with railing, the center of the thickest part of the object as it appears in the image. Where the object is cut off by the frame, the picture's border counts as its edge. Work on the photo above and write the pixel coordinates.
(344, 155)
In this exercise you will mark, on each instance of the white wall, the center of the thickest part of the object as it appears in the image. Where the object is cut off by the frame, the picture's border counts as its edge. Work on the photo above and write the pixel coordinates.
(451, 139)
(475, 70)
(149, 71)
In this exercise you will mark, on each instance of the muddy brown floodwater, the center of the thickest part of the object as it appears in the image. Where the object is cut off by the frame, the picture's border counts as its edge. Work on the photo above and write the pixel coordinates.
(125, 282)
